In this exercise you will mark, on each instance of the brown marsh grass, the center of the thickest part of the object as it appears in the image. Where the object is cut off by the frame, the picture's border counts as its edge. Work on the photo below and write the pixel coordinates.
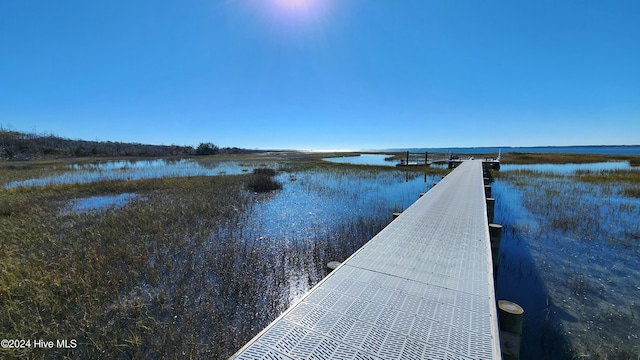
(557, 158)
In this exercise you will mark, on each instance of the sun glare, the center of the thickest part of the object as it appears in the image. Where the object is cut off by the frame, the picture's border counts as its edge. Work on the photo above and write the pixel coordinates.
(293, 5)
(297, 10)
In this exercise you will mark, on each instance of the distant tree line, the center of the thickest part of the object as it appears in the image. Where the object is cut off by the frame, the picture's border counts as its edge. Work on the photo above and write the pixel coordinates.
(15, 145)
(207, 149)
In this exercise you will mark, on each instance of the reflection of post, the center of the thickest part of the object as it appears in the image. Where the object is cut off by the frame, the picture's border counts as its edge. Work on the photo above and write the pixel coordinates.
(495, 235)
(491, 202)
(510, 318)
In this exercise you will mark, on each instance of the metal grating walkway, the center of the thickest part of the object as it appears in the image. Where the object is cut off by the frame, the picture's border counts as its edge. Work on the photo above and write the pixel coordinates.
(420, 289)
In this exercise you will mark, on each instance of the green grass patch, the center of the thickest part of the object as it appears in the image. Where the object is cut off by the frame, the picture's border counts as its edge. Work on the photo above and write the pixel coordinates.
(626, 176)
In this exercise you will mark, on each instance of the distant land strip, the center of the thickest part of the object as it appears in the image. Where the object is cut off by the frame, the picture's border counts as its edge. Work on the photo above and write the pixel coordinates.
(16, 145)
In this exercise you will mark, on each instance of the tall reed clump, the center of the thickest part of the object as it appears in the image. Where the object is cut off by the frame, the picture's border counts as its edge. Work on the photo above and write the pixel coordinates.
(263, 180)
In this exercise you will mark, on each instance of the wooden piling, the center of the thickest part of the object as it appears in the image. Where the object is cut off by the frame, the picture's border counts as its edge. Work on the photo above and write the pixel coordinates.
(332, 265)
(396, 214)
(510, 317)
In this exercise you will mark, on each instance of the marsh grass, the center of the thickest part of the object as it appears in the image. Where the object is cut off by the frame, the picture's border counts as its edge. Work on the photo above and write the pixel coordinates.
(556, 158)
(118, 279)
(181, 271)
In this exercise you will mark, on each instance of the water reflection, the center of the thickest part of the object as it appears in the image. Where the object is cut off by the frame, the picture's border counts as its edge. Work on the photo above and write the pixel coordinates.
(568, 168)
(364, 159)
(519, 279)
(132, 170)
(316, 205)
(100, 202)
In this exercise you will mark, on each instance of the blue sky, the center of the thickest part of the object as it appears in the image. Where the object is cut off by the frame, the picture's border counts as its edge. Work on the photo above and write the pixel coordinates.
(324, 74)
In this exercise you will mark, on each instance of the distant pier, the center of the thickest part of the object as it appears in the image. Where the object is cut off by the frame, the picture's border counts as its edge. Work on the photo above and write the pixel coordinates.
(452, 161)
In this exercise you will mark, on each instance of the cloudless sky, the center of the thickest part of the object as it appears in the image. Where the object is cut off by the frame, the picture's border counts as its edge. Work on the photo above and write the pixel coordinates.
(324, 74)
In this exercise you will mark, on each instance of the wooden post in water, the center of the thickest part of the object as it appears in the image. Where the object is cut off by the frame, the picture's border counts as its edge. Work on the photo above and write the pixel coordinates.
(510, 317)
(426, 158)
(491, 203)
(396, 214)
(407, 158)
(495, 235)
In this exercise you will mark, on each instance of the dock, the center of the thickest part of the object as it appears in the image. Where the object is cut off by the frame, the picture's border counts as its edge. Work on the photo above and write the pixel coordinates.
(422, 288)
(413, 159)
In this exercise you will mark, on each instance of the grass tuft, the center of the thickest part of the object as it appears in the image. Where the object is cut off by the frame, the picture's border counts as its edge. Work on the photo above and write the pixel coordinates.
(262, 181)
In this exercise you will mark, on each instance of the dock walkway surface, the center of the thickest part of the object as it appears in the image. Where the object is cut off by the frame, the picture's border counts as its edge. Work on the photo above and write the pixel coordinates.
(422, 288)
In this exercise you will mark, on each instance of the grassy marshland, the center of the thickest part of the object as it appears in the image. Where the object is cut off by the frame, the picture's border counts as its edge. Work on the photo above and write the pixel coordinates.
(127, 282)
(182, 270)
(196, 266)
(553, 158)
